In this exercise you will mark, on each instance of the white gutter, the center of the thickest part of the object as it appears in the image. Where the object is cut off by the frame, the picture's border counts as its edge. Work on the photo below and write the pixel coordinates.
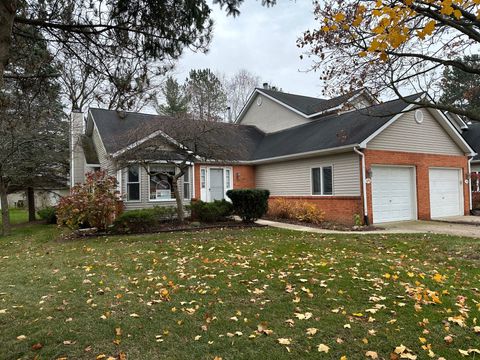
(364, 187)
(470, 182)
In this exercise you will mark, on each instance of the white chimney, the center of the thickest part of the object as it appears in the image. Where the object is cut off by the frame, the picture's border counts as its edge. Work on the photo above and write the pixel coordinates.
(77, 157)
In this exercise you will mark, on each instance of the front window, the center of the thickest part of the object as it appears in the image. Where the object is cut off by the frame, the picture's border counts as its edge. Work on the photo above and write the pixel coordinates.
(203, 178)
(186, 185)
(228, 178)
(161, 185)
(322, 180)
(133, 183)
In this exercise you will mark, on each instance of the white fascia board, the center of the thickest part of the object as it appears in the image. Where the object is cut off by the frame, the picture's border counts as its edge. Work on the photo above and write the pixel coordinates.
(364, 143)
(149, 137)
(454, 134)
(259, 91)
(339, 149)
(246, 106)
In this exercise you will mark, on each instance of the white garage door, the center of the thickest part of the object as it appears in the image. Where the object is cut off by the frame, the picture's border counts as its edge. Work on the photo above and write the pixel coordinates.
(446, 198)
(393, 194)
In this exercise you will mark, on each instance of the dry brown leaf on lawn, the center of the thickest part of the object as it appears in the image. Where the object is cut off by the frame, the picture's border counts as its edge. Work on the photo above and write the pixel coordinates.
(37, 346)
(284, 341)
(372, 355)
(312, 331)
(323, 348)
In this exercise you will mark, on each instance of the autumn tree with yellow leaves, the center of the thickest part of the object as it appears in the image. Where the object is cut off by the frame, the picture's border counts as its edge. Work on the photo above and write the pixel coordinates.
(391, 45)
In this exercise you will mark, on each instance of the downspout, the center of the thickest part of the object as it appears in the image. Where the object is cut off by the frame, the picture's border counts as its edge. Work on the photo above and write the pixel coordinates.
(470, 182)
(364, 187)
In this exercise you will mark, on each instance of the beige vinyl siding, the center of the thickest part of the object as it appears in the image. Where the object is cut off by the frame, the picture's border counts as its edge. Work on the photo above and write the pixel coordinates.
(271, 116)
(476, 167)
(144, 202)
(293, 178)
(405, 134)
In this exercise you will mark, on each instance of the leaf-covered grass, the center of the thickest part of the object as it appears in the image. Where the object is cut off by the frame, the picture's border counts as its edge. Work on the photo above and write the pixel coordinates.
(207, 294)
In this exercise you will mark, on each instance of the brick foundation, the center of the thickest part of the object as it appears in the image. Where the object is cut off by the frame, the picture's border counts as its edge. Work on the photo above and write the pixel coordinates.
(422, 163)
(339, 209)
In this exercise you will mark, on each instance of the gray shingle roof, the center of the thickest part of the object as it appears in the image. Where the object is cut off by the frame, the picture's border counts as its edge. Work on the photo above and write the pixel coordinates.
(472, 137)
(309, 105)
(114, 127)
(331, 131)
(328, 132)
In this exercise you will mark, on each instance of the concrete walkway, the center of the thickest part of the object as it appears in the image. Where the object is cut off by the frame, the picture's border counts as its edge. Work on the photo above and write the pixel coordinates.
(470, 220)
(404, 227)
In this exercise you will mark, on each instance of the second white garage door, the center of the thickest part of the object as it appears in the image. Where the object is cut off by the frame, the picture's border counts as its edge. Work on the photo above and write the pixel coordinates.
(446, 198)
(393, 193)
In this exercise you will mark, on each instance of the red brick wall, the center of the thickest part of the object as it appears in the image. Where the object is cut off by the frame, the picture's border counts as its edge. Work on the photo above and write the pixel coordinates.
(339, 209)
(422, 163)
(243, 177)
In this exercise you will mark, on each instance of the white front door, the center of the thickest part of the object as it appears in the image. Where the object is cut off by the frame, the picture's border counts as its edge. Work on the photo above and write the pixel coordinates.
(393, 193)
(446, 195)
(217, 189)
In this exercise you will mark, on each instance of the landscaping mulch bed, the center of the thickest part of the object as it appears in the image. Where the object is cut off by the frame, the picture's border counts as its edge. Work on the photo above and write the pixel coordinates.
(326, 225)
(187, 226)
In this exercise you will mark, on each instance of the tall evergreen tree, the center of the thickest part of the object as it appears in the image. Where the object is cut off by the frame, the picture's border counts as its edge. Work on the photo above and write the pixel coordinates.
(176, 101)
(33, 129)
(460, 88)
(207, 98)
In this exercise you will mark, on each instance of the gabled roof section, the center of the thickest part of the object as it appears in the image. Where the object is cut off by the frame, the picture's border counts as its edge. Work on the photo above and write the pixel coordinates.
(114, 127)
(309, 105)
(306, 106)
(334, 131)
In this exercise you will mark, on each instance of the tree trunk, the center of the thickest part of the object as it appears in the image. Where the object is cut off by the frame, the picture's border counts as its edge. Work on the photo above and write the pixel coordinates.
(31, 203)
(4, 201)
(8, 9)
(178, 199)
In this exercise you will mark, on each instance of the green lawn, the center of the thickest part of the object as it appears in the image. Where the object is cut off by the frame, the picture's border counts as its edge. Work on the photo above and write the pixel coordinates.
(205, 295)
(17, 216)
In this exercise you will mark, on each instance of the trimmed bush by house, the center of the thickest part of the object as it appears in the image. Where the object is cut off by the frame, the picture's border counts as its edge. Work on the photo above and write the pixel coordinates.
(143, 220)
(249, 204)
(219, 210)
(49, 214)
(303, 211)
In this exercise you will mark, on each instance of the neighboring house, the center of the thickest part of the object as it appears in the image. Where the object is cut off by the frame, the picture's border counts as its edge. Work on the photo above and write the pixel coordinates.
(349, 155)
(43, 198)
(471, 133)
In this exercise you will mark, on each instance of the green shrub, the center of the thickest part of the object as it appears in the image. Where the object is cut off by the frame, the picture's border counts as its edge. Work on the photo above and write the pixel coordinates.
(249, 204)
(219, 210)
(49, 214)
(143, 220)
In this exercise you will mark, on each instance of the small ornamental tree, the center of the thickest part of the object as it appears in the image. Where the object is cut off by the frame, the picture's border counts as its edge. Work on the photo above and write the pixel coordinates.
(92, 203)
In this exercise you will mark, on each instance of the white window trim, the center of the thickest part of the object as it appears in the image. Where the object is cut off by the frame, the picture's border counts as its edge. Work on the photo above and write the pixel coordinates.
(321, 180)
(205, 192)
(190, 176)
(158, 200)
(139, 184)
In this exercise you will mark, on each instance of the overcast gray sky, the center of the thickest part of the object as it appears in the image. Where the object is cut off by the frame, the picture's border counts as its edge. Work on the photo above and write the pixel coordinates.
(263, 41)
